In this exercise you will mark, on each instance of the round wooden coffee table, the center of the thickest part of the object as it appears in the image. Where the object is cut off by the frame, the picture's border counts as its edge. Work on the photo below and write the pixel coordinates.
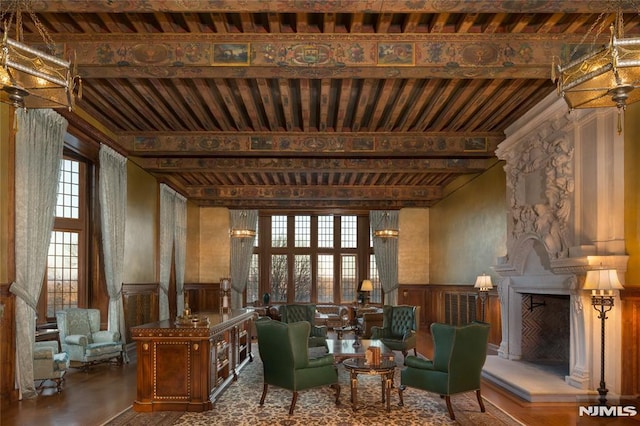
(386, 369)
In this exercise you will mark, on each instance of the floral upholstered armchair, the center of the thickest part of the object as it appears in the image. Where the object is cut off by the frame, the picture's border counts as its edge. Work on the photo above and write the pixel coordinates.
(82, 339)
(49, 364)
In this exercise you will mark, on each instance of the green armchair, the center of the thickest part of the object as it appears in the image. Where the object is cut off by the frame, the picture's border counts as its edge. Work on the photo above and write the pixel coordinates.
(459, 355)
(399, 326)
(295, 313)
(284, 350)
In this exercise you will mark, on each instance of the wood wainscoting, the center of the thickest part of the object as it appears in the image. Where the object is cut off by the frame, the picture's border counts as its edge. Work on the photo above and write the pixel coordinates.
(453, 304)
(8, 393)
(140, 302)
(203, 297)
(630, 298)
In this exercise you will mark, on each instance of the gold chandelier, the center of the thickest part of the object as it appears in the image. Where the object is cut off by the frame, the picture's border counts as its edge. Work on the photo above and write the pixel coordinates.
(607, 76)
(30, 78)
(386, 231)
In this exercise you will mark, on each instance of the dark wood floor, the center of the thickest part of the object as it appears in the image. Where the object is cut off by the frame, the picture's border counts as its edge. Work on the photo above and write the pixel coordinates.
(96, 396)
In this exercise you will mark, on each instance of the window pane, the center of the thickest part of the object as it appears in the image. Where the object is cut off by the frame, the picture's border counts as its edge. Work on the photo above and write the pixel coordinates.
(348, 278)
(376, 294)
(252, 281)
(302, 278)
(62, 272)
(279, 278)
(303, 231)
(325, 231)
(68, 190)
(349, 232)
(325, 278)
(278, 231)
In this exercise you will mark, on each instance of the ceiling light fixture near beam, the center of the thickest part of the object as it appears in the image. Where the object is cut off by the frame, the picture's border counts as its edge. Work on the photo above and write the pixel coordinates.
(29, 77)
(608, 76)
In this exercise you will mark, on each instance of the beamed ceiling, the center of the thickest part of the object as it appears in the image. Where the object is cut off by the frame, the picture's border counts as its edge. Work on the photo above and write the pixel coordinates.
(303, 104)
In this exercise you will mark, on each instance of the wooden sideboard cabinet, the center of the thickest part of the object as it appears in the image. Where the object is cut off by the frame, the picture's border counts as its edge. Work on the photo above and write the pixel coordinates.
(185, 368)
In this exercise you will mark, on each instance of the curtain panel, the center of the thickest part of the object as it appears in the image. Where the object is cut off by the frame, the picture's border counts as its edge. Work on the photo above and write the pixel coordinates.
(241, 252)
(180, 246)
(39, 141)
(113, 213)
(167, 232)
(386, 253)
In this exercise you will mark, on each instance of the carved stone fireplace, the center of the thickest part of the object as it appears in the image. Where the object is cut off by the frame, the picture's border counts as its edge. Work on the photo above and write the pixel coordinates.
(565, 217)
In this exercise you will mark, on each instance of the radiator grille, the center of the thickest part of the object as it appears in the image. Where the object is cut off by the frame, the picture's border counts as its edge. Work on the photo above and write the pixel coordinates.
(459, 308)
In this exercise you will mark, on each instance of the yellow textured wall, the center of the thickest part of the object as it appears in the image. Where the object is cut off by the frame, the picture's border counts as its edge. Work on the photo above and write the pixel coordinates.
(631, 193)
(192, 261)
(413, 246)
(215, 245)
(468, 229)
(141, 241)
(4, 187)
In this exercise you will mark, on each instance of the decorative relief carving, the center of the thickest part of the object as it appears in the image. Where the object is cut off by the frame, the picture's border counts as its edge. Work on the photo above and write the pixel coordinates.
(540, 181)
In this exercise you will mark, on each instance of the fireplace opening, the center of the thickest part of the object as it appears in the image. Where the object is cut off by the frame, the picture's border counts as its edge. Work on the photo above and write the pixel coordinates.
(546, 332)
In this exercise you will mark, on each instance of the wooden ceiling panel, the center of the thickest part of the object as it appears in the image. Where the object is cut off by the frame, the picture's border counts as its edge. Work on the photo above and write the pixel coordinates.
(314, 105)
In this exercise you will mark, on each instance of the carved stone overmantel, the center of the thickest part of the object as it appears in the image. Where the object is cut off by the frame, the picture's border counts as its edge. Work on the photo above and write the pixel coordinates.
(564, 178)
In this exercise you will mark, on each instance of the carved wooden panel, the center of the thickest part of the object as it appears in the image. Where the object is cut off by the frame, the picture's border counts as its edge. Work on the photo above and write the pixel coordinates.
(630, 340)
(140, 304)
(203, 297)
(7, 346)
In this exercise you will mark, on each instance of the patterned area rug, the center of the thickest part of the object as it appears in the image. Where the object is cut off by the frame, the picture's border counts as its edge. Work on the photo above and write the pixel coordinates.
(239, 405)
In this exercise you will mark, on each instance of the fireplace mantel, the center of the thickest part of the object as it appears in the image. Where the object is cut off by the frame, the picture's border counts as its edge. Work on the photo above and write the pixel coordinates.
(564, 176)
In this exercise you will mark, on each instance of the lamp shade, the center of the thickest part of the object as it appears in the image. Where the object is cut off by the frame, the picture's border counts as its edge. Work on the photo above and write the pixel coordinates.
(602, 279)
(367, 285)
(483, 282)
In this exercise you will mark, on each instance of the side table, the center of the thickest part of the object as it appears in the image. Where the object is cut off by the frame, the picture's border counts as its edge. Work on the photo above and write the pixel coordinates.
(46, 334)
(386, 369)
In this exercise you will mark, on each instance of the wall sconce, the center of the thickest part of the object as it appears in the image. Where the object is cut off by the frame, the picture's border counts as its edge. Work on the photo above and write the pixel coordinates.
(483, 284)
(602, 283)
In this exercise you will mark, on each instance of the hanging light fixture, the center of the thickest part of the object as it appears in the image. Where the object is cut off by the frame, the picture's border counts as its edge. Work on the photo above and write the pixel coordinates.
(30, 78)
(386, 231)
(608, 76)
(244, 232)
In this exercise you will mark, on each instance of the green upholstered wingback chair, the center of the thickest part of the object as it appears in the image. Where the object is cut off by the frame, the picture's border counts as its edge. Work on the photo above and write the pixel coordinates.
(399, 326)
(82, 339)
(295, 313)
(459, 355)
(284, 350)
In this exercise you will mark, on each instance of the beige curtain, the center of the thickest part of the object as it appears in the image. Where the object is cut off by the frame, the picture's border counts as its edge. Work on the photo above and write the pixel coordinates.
(39, 143)
(241, 252)
(113, 212)
(386, 252)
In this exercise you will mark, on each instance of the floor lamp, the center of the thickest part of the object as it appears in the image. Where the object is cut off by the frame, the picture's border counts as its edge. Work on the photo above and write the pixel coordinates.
(483, 284)
(602, 282)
